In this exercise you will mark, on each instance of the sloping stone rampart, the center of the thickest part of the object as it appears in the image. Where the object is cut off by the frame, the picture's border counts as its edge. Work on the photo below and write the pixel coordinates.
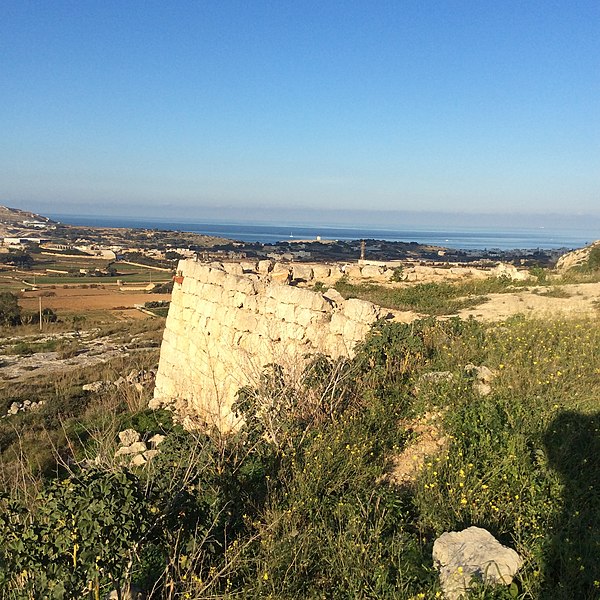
(223, 328)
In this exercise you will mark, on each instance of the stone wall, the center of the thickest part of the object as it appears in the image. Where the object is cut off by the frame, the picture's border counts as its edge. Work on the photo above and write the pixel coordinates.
(226, 322)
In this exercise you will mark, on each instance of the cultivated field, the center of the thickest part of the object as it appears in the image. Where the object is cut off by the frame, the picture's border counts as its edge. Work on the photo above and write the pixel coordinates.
(83, 299)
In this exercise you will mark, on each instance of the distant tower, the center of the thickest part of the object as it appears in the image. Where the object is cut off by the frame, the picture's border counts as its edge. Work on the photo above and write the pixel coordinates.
(362, 249)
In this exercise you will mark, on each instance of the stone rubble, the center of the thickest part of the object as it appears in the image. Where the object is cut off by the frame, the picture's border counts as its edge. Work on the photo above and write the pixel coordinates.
(138, 379)
(26, 405)
(135, 449)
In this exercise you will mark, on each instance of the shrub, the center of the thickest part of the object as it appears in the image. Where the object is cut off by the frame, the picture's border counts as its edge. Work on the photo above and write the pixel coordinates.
(81, 536)
(397, 274)
(10, 313)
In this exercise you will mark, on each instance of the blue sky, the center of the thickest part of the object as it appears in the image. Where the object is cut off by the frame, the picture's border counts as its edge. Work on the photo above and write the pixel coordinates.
(253, 108)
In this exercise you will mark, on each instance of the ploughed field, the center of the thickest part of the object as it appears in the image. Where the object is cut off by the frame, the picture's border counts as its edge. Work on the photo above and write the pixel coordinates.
(82, 299)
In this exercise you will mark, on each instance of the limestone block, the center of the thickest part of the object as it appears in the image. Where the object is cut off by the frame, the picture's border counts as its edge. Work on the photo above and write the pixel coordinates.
(157, 439)
(303, 272)
(316, 332)
(281, 277)
(473, 553)
(244, 285)
(227, 298)
(216, 277)
(190, 286)
(233, 268)
(285, 312)
(250, 341)
(312, 300)
(335, 346)
(355, 331)
(134, 448)
(294, 331)
(269, 329)
(304, 316)
(280, 267)
(213, 328)
(271, 305)
(227, 334)
(264, 266)
(238, 300)
(321, 271)
(206, 308)
(360, 310)
(510, 272)
(334, 297)
(353, 271)
(175, 310)
(193, 269)
(214, 293)
(168, 336)
(128, 437)
(248, 266)
(338, 323)
(187, 314)
(230, 281)
(251, 303)
(245, 321)
(201, 324)
(371, 271)
(285, 294)
(222, 314)
(188, 268)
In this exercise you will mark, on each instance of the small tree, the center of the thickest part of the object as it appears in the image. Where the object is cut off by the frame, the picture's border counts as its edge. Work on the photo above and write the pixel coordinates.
(10, 313)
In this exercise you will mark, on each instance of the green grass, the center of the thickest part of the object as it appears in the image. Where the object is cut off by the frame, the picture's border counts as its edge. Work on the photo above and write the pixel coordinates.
(426, 298)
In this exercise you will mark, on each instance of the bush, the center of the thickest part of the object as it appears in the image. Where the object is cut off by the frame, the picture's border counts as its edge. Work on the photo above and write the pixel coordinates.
(397, 274)
(593, 262)
(10, 313)
(81, 536)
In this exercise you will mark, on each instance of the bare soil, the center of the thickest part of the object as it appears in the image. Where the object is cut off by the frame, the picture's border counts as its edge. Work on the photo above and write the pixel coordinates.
(581, 300)
(78, 299)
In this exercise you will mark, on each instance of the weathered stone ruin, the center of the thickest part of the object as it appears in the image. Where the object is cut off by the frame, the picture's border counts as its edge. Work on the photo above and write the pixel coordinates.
(224, 327)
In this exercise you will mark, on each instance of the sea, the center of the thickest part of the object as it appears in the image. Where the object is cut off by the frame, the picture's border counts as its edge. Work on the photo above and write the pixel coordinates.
(463, 238)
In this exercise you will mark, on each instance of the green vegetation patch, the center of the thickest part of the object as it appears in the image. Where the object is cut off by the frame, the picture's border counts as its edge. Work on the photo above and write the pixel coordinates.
(427, 298)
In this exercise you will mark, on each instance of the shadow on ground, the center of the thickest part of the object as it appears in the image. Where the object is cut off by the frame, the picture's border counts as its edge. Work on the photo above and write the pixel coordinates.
(573, 562)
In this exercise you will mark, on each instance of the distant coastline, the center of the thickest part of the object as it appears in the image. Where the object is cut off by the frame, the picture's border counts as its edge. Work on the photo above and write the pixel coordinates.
(465, 238)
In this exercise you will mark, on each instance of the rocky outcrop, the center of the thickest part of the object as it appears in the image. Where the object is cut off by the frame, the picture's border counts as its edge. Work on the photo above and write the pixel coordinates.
(223, 329)
(503, 270)
(472, 554)
(577, 258)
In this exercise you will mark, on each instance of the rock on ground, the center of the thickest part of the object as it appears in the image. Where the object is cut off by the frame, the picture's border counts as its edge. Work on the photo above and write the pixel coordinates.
(472, 553)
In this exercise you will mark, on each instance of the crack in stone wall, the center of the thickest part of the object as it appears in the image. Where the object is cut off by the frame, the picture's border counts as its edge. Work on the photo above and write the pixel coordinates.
(224, 326)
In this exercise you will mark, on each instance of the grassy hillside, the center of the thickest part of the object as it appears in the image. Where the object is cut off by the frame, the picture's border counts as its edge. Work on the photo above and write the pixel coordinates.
(303, 501)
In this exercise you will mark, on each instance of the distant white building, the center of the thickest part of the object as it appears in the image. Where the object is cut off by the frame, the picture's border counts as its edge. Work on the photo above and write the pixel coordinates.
(37, 224)
(20, 241)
